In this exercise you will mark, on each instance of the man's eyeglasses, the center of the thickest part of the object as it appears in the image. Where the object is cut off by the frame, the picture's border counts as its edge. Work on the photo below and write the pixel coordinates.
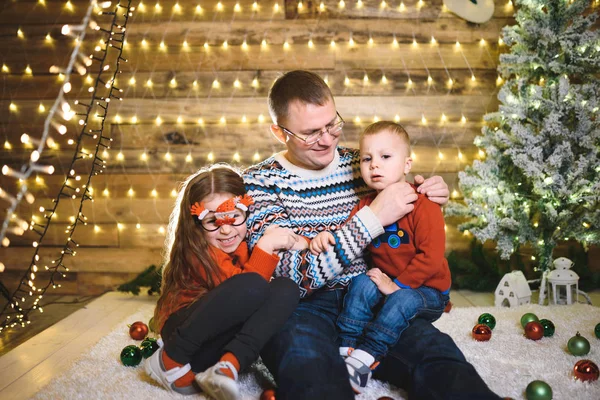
(334, 129)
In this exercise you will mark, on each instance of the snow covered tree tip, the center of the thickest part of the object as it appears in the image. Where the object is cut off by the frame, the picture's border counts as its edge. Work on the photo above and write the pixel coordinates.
(538, 182)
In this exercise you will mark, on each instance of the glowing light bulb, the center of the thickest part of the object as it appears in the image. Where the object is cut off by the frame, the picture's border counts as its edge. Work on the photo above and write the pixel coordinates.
(310, 44)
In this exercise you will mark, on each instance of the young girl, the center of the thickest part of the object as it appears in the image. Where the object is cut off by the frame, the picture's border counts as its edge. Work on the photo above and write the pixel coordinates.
(217, 307)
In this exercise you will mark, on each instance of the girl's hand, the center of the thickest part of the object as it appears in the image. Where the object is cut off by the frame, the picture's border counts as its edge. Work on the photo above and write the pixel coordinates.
(321, 242)
(384, 283)
(277, 238)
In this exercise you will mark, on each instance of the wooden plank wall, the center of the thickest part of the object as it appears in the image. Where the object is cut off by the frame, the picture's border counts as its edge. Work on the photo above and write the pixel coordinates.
(195, 86)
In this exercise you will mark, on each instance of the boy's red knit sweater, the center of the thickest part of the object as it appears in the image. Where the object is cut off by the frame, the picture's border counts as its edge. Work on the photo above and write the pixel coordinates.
(238, 262)
(418, 260)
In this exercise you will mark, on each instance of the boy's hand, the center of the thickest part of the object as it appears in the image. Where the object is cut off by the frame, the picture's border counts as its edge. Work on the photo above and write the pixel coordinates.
(321, 242)
(434, 188)
(277, 238)
(384, 283)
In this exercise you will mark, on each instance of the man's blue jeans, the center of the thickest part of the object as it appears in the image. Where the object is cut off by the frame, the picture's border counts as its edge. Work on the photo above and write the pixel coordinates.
(373, 322)
(306, 364)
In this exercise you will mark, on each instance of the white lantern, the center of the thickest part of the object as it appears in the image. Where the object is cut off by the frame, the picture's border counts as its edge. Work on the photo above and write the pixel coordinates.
(563, 282)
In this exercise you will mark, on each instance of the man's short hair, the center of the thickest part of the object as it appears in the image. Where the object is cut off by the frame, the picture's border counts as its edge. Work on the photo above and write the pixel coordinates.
(304, 86)
(390, 126)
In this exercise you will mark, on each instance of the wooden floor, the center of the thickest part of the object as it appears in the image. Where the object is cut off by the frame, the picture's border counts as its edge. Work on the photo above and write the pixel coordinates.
(28, 367)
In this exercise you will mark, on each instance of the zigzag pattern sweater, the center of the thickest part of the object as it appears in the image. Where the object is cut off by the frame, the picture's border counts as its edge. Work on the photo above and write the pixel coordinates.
(309, 202)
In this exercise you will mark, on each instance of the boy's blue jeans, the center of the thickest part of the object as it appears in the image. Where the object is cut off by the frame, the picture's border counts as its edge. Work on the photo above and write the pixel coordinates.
(373, 322)
(305, 361)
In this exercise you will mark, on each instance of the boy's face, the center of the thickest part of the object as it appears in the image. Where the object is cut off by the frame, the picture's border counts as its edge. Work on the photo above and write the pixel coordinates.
(384, 159)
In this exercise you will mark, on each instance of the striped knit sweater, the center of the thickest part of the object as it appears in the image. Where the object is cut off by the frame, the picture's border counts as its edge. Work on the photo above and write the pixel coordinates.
(309, 202)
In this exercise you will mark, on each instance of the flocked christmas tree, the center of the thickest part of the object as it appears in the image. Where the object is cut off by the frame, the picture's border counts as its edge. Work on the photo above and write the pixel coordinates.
(539, 182)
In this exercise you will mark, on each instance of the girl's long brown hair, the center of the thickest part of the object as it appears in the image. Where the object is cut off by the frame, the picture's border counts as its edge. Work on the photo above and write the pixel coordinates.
(185, 244)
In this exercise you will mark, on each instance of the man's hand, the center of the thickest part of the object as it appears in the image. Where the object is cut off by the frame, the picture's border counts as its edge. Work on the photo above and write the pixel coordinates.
(394, 202)
(384, 283)
(321, 242)
(434, 188)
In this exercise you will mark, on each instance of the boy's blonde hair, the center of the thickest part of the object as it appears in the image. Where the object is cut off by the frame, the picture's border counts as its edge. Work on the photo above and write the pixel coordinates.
(390, 126)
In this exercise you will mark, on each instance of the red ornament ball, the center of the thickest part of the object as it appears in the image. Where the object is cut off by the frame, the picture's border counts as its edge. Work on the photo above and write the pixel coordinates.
(138, 330)
(268, 394)
(534, 330)
(481, 333)
(447, 309)
(586, 370)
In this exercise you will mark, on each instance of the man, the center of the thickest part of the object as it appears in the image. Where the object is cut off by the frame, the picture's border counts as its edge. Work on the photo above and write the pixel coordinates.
(313, 186)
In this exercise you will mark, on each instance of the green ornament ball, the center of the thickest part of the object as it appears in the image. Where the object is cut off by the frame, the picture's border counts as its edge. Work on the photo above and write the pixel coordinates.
(131, 355)
(597, 331)
(578, 345)
(527, 318)
(148, 347)
(549, 327)
(151, 325)
(487, 319)
(538, 390)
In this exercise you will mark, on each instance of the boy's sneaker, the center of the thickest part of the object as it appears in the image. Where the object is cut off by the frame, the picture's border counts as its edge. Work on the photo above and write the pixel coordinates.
(217, 384)
(155, 368)
(360, 365)
(346, 351)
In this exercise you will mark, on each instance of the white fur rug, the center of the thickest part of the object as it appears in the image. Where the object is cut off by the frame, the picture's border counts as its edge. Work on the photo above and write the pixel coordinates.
(508, 362)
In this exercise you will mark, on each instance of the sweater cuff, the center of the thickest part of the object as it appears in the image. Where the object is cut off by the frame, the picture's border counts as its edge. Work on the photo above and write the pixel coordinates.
(400, 284)
(261, 258)
(370, 221)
